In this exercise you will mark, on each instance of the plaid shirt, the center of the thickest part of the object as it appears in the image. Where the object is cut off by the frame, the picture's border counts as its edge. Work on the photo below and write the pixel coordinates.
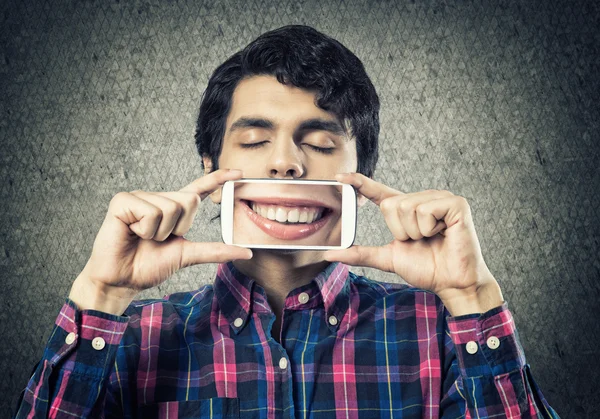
(350, 347)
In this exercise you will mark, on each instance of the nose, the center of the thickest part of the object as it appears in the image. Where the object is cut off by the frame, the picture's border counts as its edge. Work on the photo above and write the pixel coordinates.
(285, 161)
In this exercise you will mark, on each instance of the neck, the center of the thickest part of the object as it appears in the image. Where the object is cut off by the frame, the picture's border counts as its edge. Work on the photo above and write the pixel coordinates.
(280, 272)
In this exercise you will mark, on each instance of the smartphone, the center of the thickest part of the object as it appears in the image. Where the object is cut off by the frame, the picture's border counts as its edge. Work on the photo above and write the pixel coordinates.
(288, 214)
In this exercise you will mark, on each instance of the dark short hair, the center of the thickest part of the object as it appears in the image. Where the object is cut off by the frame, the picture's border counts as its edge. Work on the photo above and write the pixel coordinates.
(305, 58)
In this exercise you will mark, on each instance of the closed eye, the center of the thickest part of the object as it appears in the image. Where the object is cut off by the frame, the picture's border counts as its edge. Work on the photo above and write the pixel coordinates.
(252, 145)
(324, 150)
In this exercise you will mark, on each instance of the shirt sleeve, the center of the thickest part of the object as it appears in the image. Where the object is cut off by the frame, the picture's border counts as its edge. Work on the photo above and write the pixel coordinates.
(486, 371)
(69, 381)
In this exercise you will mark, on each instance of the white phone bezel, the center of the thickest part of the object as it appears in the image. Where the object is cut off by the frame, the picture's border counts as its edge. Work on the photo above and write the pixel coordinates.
(349, 210)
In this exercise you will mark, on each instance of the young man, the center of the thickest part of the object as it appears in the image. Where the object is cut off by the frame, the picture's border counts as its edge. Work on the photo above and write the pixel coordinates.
(285, 334)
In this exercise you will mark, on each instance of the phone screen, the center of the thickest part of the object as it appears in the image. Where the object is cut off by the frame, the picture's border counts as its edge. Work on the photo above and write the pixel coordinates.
(284, 214)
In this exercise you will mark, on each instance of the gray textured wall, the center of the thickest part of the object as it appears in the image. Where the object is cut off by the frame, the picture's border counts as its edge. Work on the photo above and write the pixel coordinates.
(494, 101)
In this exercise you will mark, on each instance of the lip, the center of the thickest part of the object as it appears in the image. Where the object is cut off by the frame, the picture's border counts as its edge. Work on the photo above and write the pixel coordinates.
(289, 202)
(286, 231)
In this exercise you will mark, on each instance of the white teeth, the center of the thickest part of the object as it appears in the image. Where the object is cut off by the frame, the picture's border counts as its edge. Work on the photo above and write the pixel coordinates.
(303, 217)
(281, 215)
(318, 215)
(293, 216)
(284, 214)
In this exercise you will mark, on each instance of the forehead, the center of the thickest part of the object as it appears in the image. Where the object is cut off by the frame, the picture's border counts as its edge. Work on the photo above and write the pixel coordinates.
(264, 96)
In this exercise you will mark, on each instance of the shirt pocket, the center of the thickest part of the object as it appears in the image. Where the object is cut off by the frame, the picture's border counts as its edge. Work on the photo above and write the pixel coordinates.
(215, 408)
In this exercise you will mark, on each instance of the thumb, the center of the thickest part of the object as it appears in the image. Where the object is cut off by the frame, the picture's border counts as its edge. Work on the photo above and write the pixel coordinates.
(368, 256)
(194, 253)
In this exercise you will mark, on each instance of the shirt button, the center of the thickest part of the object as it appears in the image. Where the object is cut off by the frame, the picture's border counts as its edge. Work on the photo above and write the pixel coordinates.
(333, 320)
(493, 342)
(471, 347)
(238, 322)
(283, 363)
(70, 338)
(303, 298)
(98, 343)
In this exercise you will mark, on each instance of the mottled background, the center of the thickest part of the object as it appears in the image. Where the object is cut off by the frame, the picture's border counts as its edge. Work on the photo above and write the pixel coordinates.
(494, 101)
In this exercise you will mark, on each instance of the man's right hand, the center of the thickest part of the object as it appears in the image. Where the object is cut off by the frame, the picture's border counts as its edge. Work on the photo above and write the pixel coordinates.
(140, 244)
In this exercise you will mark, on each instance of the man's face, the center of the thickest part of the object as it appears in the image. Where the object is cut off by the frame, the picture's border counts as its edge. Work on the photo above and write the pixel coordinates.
(277, 131)
(265, 136)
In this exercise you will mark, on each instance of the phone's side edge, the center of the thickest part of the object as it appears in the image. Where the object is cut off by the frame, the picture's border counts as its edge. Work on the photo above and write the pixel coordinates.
(227, 213)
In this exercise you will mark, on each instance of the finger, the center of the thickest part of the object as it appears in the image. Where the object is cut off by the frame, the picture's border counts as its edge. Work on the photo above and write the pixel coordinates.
(171, 210)
(429, 225)
(207, 184)
(368, 256)
(407, 208)
(142, 217)
(450, 210)
(389, 209)
(408, 217)
(189, 202)
(368, 187)
(194, 253)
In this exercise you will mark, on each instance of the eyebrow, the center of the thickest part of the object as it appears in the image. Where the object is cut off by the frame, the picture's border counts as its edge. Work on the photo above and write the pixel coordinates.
(315, 124)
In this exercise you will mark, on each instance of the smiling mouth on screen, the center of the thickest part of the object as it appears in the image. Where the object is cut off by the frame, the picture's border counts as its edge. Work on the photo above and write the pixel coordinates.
(287, 219)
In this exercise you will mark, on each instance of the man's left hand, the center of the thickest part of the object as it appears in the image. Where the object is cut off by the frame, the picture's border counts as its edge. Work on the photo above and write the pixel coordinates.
(435, 246)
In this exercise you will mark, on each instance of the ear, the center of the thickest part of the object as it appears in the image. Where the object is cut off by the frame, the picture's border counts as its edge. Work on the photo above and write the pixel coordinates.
(208, 167)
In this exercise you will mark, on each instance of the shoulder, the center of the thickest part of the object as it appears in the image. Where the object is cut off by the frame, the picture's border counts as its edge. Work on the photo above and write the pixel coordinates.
(196, 300)
(374, 292)
(157, 326)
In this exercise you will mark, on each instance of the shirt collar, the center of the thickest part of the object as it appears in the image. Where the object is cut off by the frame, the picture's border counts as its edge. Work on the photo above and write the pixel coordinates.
(237, 293)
